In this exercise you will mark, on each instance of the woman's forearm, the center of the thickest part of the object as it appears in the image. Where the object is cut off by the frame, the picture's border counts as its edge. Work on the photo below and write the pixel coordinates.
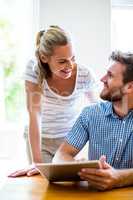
(34, 139)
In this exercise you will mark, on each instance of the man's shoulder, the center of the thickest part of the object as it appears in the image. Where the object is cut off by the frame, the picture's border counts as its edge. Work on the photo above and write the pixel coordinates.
(98, 108)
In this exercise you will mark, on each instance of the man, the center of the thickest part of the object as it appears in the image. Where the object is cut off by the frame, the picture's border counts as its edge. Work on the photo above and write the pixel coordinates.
(108, 126)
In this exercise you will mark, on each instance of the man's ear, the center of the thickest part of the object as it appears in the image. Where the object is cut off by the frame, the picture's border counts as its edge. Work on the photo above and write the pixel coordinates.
(43, 58)
(128, 88)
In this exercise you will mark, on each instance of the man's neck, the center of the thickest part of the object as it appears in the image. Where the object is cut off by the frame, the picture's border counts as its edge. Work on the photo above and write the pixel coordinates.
(122, 107)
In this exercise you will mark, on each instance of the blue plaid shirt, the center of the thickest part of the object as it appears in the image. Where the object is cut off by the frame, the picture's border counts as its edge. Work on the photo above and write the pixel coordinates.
(107, 133)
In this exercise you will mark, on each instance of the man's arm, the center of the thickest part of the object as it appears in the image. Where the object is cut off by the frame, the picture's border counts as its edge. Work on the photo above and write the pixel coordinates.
(107, 177)
(126, 177)
(66, 152)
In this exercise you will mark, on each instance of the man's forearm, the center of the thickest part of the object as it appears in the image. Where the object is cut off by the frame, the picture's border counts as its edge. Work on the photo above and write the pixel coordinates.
(62, 157)
(65, 153)
(125, 177)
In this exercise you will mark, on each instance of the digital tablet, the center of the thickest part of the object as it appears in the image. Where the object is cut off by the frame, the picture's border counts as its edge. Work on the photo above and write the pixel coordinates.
(67, 171)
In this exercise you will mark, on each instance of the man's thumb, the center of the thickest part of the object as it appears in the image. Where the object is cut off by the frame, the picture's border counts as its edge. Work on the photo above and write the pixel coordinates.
(103, 163)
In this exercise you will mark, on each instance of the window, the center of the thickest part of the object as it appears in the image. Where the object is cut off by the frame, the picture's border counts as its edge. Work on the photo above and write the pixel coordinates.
(17, 35)
(122, 29)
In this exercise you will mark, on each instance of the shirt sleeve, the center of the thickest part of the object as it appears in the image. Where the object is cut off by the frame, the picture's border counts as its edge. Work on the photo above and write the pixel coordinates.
(30, 73)
(91, 91)
(90, 81)
(79, 135)
(89, 85)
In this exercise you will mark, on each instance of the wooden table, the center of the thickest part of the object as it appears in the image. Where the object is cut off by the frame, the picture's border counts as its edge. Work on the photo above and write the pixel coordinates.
(37, 188)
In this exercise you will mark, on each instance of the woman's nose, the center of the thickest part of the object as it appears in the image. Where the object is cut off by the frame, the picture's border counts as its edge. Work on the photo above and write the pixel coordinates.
(70, 64)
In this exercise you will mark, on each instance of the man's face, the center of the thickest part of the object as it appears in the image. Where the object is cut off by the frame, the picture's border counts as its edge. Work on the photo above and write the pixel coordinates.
(113, 82)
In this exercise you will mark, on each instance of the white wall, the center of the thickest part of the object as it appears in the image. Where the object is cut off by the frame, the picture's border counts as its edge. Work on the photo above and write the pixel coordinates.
(122, 3)
(89, 23)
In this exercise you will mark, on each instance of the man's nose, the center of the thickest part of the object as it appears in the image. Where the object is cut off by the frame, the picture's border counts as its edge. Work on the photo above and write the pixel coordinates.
(103, 79)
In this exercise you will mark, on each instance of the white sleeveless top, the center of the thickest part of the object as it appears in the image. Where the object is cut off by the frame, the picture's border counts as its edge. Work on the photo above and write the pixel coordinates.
(58, 113)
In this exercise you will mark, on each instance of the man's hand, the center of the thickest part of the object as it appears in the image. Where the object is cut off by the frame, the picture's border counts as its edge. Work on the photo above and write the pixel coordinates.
(30, 171)
(102, 179)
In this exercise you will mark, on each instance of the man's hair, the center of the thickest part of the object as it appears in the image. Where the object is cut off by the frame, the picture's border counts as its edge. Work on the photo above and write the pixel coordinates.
(127, 60)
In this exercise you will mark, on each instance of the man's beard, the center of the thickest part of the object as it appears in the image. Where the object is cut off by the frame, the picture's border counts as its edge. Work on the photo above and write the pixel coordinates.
(112, 97)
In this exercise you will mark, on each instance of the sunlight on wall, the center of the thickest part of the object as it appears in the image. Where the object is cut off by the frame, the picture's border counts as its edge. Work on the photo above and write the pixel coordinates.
(17, 36)
(122, 29)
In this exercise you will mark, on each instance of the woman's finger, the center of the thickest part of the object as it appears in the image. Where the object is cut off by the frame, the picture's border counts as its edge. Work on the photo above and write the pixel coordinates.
(18, 173)
(32, 172)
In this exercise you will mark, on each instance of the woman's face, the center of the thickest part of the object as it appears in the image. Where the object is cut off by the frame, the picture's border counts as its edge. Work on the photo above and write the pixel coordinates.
(62, 61)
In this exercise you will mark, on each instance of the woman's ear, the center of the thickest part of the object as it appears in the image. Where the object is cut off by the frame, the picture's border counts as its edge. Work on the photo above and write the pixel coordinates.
(43, 58)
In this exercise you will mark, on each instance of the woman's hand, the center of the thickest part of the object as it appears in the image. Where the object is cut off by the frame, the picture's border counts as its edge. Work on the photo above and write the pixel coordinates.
(30, 171)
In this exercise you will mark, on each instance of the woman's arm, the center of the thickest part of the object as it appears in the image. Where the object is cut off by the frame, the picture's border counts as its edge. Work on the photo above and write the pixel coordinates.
(34, 107)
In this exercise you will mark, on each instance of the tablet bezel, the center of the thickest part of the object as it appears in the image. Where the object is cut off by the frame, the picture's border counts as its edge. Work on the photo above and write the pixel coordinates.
(67, 171)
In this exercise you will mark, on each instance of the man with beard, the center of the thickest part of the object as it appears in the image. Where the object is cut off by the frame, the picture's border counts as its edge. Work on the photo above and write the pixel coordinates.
(108, 126)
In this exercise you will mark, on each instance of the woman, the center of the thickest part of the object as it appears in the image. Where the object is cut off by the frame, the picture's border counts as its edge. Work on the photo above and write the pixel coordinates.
(56, 86)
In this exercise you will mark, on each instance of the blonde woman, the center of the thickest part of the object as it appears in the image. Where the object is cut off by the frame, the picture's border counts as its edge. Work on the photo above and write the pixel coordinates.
(56, 86)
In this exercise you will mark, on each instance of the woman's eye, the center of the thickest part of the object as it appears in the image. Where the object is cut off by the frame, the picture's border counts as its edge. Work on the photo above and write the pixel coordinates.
(65, 61)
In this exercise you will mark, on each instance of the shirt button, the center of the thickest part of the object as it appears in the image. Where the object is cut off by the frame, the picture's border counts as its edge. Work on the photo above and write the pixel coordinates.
(124, 122)
(120, 140)
(117, 159)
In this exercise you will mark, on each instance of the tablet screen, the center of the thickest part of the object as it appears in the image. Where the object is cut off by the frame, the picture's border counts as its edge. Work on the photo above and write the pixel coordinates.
(64, 171)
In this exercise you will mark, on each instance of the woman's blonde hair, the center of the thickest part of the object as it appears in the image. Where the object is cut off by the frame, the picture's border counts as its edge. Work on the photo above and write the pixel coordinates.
(46, 41)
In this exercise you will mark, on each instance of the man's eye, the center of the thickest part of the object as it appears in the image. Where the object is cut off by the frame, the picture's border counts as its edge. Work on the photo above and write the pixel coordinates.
(61, 62)
(73, 59)
(110, 75)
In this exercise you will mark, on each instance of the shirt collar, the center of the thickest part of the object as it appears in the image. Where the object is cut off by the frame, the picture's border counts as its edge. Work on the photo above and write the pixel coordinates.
(109, 110)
